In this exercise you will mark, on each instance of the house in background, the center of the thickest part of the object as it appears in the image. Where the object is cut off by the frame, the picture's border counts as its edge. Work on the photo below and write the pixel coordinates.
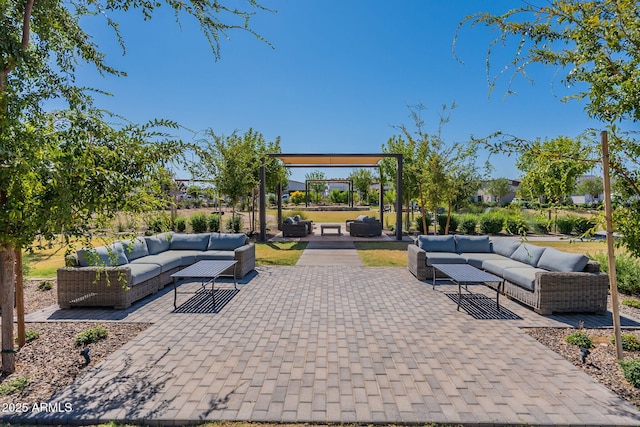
(484, 197)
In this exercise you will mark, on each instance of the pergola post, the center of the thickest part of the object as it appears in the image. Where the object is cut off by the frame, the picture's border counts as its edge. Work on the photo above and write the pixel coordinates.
(399, 198)
(263, 205)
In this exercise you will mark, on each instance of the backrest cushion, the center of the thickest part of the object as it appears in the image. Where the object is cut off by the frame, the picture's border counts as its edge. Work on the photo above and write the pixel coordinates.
(504, 247)
(109, 256)
(226, 241)
(158, 243)
(528, 254)
(194, 242)
(361, 218)
(296, 218)
(555, 260)
(437, 243)
(135, 248)
(472, 244)
(289, 220)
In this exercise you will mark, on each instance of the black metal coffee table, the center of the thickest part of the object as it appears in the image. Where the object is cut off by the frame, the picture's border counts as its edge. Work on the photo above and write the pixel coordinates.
(208, 271)
(465, 274)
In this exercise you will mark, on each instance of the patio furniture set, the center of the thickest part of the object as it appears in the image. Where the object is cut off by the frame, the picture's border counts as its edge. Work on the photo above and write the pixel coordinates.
(124, 272)
(362, 226)
(543, 278)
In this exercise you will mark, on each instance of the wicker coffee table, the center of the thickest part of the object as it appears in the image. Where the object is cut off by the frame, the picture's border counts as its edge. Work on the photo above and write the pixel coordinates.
(208, 271)
(465, 274)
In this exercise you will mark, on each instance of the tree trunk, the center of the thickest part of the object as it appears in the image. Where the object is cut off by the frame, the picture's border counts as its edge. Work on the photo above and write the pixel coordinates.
(7, 297)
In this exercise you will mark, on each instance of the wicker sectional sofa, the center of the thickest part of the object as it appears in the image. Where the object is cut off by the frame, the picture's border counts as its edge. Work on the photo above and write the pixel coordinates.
(546, 279)
(126, 271)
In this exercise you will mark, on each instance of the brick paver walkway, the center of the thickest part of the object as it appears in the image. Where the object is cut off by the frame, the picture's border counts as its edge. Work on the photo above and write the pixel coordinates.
(335, 344)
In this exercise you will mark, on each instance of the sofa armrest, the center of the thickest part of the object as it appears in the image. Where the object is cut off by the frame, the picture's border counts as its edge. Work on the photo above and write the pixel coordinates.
(417, 263)
(572, 292)
(246, 257)
(103, 286)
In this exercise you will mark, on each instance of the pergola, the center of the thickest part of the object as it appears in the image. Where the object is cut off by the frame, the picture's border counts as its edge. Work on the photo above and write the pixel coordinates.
(332, 161)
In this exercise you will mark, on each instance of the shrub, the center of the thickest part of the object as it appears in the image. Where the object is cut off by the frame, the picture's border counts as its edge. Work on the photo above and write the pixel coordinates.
(516, 226)
(180, 224)
(45, 285)
(491, 224)
(213, 222)
(233, 223)
(627, 272)
(442, 223)
(468, 225)
(541, 226)
(418, 223)
(631, 303)
(565, 225)
(631, 371)
(91, 335)
(296, 197)
(630, 342)
(159, 223)
(580, 339)
(198, 222)
(584, 225)
(13, 386)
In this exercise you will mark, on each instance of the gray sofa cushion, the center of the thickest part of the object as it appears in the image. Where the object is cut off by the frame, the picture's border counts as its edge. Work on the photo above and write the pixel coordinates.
(135, 248)
(361, 218)
(524, 277)
(443, 258)
(555, 260)
(110, 256)
(504, 246)
(166, 260)
(215, 255)
(158, 243)
(289, 220)
(498, 266)
(226, 241)
(142, 272)
(195, 242)
(437, 244)
(476, 244)
(529, 254)
(476, 259)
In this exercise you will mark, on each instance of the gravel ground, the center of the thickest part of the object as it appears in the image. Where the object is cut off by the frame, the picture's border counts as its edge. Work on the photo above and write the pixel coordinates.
(53, 361)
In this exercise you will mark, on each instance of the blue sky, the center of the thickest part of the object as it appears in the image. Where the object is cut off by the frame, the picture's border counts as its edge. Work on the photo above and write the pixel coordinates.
(338, 77)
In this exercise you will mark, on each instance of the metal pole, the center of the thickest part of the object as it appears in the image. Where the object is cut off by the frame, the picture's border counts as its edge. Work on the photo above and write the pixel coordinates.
(263, 205)
(280, 205)
(381, 197)
(399, 198)
(613, 284)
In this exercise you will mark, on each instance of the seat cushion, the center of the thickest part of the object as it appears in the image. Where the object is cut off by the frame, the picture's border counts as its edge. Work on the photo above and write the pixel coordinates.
(504, 246)
(158, 243)
(226, 241)
(528, 254)
(135, 248)
(497, 266)
(437, 243)
(215, 255)
(555, 260)
(166, 260)
(525, 277)
(444, 258)
(196, 242)
(110, 256)
(475, 244)
(143, 272)
(476, 259)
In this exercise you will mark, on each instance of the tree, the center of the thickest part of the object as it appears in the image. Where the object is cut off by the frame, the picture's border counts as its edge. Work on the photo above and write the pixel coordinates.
(591, 186)
(362, 180)
(552, 168)
(317, 189)
(498, 188)
(71, 168)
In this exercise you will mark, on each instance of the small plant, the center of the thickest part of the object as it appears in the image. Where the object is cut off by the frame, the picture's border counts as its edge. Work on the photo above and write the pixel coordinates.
(632, 303)
(93, 334)
(565, 225)
(468, 225)
(233, 224)
(198, 222)
(491, 224)
(180, 224)
(442, 223)
(418, 222)
(31, 335)
(584, 225)
(627, 272)
(213, 222)
(45, 285)
(541, 226)
(630, 342)
(580, 339)
(517, 226)
(631, 371)
(13, 386)
(159, 223)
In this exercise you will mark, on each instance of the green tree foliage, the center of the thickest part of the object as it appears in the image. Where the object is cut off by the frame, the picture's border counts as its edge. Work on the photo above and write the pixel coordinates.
(362, 180)
(317, 189)
(64, 172)
(590, 186)
(552, 168)
(498, 188)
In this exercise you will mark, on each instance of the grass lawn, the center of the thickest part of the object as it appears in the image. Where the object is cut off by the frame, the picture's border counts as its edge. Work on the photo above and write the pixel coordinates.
(327, 216)
(279, 253)
(383, 254)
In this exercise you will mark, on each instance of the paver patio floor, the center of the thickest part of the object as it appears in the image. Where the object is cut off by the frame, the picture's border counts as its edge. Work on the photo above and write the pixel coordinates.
(336, 344)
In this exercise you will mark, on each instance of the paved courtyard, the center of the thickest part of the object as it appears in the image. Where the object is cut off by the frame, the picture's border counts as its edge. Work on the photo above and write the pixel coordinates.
(335, 344)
